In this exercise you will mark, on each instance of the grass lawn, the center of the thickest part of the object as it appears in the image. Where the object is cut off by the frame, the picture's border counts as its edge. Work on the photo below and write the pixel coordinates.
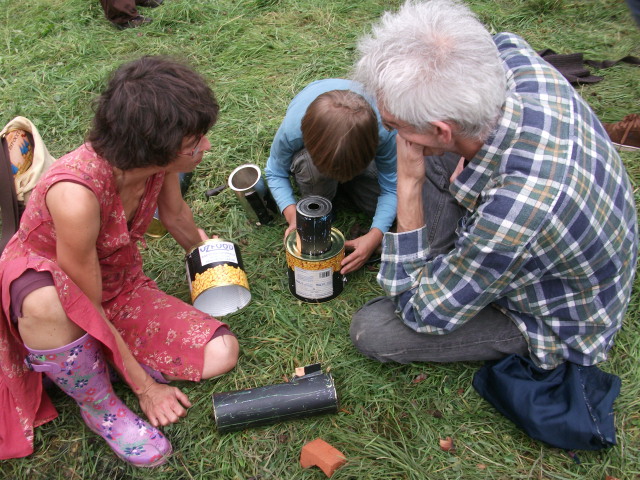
(54, 58)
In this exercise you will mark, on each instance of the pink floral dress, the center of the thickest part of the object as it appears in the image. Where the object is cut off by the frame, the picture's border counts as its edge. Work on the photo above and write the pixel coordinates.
(161, 331)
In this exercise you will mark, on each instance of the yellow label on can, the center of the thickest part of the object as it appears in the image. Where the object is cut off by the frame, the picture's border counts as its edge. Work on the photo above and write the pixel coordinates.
(218, 276)
(330, 259)
(333, 263)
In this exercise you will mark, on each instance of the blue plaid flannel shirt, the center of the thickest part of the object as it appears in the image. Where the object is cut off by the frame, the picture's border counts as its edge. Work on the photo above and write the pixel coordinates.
(550, 235)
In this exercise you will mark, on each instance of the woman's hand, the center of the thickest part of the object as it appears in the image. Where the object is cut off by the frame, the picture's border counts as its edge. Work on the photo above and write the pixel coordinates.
(163, 404)
(203, 235)
(362, 248)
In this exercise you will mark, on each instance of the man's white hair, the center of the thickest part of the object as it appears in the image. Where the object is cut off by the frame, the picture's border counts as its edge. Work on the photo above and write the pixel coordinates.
(434, 61)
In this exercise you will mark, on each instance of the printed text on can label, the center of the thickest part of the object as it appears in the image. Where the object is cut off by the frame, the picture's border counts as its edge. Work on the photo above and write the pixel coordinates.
(217, 252)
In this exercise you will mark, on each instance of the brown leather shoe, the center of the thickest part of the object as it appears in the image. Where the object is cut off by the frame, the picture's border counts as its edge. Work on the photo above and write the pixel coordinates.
(625, 134)
(134, 22)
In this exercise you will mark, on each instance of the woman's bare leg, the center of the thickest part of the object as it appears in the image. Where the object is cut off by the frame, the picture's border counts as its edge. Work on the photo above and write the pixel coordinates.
(220, 356)
(44, 325)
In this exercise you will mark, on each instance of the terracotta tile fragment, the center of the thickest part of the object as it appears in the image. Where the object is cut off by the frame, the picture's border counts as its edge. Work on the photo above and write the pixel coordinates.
(321, 454)
(446, 445)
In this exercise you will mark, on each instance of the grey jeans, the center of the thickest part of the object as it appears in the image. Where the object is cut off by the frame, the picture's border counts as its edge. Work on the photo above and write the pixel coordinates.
(379, 333)
(362, 190)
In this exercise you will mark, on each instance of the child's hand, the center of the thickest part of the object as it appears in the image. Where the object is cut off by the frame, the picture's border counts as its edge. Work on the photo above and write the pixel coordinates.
(362, 248)
(290, 216)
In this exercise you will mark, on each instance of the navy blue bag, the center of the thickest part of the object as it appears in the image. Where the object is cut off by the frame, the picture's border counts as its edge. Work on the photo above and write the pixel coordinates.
(569, 407)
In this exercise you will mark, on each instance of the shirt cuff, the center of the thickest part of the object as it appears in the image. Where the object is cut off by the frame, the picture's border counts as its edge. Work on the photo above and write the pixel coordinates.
(405, 246)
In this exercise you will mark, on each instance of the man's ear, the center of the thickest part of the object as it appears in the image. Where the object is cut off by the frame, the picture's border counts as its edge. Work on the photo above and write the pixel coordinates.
(443, 131)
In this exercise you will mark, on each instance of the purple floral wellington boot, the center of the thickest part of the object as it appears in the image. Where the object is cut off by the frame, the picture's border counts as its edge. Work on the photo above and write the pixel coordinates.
(80, 371)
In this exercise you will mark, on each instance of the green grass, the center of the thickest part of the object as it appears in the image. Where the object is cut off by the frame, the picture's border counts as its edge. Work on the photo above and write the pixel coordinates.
(54, 58)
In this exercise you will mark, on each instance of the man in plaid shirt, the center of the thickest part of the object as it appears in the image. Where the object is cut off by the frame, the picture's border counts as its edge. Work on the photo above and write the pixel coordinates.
(516, 224)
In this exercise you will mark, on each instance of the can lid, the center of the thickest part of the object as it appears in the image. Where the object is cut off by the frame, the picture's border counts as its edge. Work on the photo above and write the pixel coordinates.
(337, 245)
(314, 206)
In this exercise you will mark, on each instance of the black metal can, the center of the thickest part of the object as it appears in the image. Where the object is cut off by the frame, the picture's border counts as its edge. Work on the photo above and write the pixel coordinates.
(313, 225)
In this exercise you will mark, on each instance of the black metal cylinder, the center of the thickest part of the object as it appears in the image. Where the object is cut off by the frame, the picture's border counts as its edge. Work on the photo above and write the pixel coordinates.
(313, 225)
(302, 397)
(252, 192)
(258, 207)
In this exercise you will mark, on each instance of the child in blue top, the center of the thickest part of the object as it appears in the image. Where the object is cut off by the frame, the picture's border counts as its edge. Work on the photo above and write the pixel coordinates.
(331, 133)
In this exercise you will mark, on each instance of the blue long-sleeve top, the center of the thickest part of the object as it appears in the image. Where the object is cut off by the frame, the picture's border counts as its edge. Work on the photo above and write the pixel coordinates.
(288, 141)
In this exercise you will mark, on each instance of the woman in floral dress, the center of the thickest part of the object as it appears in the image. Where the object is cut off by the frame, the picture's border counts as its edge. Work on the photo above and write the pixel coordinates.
(74, 296)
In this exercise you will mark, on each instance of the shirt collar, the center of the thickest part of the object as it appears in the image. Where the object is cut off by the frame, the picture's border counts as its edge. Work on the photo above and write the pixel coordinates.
(476, 175)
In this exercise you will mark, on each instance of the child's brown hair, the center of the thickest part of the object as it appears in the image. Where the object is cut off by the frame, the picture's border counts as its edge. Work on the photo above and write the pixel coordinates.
(340, 132)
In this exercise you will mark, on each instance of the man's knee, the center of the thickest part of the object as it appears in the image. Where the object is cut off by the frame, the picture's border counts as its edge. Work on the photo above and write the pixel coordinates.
(220, 356)
(365, 340)
(358, 330)
(367, 327)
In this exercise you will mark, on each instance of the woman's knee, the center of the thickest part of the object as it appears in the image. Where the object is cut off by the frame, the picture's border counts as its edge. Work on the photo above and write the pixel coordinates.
(220, 356)
(44, 323)
(42, 304)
